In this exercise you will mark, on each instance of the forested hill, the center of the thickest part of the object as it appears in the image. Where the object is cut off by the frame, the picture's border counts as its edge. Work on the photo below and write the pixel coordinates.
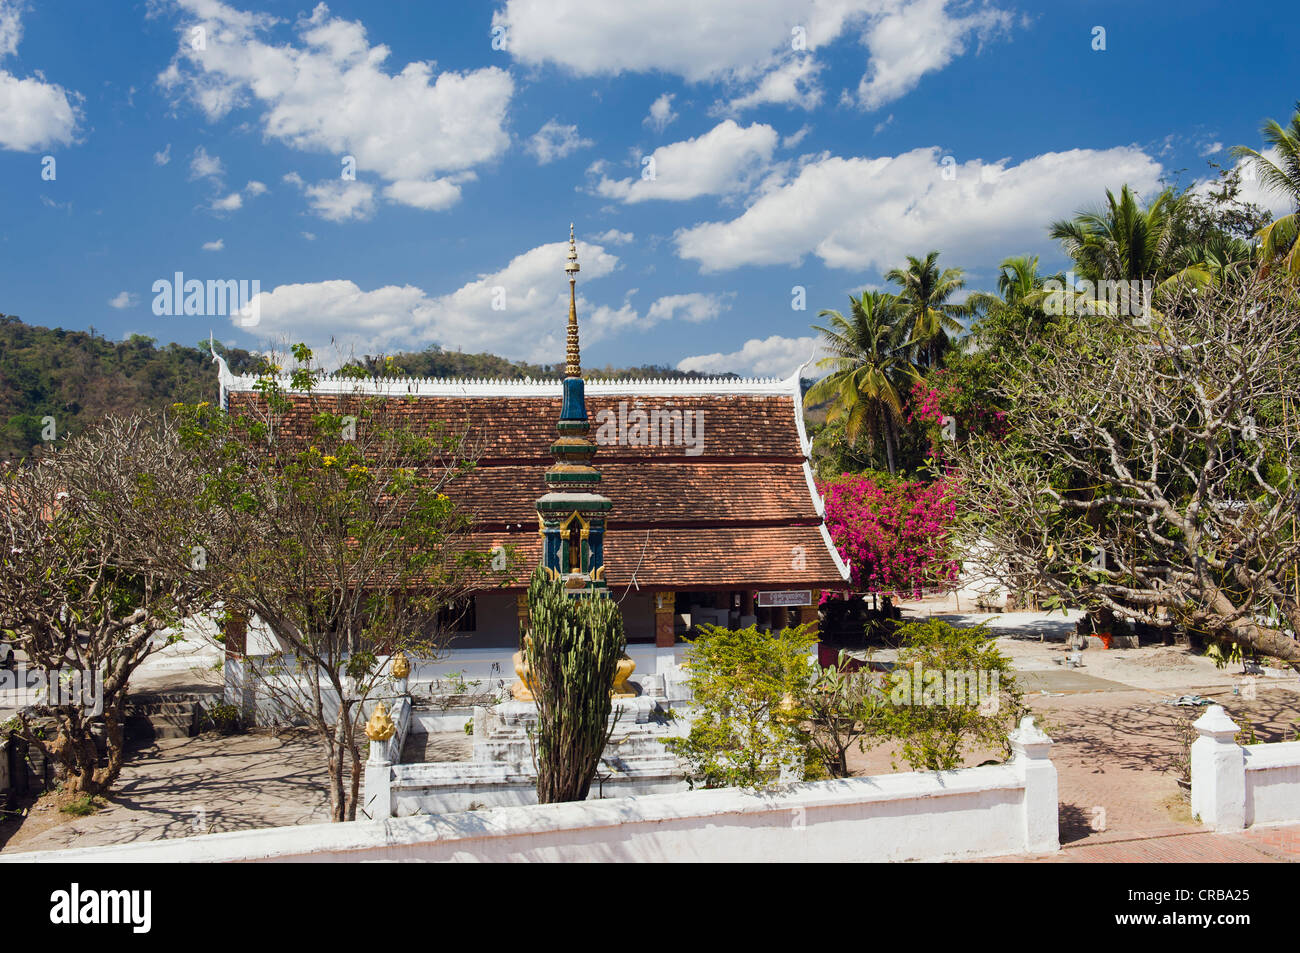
(78, 376)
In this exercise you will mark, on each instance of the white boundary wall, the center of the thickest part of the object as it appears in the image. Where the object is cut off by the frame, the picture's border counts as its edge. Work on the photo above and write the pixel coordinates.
(1237, 786)
(974, 812)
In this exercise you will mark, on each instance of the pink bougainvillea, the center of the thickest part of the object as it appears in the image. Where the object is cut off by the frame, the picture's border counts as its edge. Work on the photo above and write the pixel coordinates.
(938, 396)
(896, 539)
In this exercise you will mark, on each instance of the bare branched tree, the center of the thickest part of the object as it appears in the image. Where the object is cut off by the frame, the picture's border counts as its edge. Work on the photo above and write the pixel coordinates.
(1151, 468)
(330, 523)
(95, 533)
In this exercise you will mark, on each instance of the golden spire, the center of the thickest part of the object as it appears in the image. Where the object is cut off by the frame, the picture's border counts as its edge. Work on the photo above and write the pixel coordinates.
(573, 363)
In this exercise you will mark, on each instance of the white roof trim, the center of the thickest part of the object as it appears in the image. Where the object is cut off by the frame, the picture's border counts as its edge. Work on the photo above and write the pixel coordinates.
(485, 387)
(840, 564)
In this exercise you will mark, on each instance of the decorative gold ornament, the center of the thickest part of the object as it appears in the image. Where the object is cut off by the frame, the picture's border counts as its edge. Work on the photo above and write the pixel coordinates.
(401, 665)
(380, 727)
(622, 672)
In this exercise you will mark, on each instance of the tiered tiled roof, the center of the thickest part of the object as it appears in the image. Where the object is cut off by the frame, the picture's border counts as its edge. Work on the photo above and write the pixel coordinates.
(734, 507)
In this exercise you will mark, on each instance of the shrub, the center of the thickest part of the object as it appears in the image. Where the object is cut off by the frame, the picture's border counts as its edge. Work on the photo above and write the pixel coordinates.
(931, 711)
(750, 690)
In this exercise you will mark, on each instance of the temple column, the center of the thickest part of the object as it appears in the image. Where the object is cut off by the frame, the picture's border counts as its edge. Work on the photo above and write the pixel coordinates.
(665, 616)
(665, 606)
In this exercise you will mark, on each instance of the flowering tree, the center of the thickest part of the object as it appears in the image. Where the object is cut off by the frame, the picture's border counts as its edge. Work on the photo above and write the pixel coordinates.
(895, 537)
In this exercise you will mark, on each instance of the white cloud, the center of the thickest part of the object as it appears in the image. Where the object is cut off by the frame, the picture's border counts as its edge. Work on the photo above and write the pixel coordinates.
(517, 311)
(339, 200)
(792, 140)
(661, 113)
(748, 45)
(613, 237)
(11, 28)
(162, 158)
(530, 326)
(328, 93)
(1211, 148)
(255, 188)
(217, 245)
(430, 196)
(205, 166)
(230, 203)
(694, 307)
(123, 299)
(310, 236)
(862, 213)
(555, 141)
(911, 38)
(34, 113)
(793, 83)
(726, 159)
(775, 356)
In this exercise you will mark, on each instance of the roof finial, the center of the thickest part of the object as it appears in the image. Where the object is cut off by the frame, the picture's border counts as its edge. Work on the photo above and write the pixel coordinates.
(573, 362)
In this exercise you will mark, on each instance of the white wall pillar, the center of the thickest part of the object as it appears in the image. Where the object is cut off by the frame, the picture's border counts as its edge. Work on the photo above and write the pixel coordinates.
(1218, 772)
(377, 796)
(238, 689)
(1031, 750)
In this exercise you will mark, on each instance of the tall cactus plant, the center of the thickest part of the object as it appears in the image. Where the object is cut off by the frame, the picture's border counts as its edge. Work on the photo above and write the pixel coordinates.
(572, 651)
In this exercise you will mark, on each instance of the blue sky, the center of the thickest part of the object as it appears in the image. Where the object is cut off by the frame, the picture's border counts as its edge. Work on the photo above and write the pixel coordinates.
(809, 143)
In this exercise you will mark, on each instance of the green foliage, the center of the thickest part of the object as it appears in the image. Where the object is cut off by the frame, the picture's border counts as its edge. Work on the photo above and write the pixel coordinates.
(953, 690)
(82, 806)
(572, 650)
(844, 709)
(225, 719)
(750, 689)
(77, 377)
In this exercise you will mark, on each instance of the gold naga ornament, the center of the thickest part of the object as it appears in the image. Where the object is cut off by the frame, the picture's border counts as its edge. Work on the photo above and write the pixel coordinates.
(380, 727)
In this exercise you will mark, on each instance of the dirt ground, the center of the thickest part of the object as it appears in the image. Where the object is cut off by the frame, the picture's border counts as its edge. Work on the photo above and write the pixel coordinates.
(177, 787)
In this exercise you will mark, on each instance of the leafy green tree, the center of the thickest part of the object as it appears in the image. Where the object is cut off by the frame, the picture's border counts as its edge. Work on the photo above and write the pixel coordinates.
(952, 691)
(869, 371)
(926, 297)
(572, 650)
(750, 690)
(1278, 239)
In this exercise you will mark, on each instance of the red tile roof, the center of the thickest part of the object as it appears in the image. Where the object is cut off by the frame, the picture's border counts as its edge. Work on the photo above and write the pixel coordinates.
(732, 510)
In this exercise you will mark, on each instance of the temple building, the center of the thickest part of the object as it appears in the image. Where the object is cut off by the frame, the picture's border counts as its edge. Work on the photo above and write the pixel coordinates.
(687, 501)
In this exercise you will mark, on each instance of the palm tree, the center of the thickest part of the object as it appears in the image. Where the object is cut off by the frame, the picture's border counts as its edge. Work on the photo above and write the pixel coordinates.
(1019, 285)
(1278, 239)
(925, 296)
(1127, 242)
(870, 370)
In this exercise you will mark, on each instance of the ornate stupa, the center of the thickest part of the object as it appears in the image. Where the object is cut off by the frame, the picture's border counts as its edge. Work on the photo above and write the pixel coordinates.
(571, 515)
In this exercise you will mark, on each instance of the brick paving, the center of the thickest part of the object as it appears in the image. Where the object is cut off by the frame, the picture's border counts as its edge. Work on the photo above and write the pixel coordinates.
(1118, 757)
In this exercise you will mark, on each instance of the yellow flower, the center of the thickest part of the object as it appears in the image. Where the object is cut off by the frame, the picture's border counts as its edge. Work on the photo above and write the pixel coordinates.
(330, 461)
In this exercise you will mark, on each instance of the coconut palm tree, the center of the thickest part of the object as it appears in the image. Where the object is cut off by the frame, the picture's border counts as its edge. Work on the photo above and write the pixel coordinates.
(1278, 240)
(869, 370)
(925, 295)
(1125, 241)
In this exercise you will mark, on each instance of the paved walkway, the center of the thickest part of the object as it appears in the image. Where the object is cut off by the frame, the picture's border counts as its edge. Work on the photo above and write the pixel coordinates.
(1269, 845)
